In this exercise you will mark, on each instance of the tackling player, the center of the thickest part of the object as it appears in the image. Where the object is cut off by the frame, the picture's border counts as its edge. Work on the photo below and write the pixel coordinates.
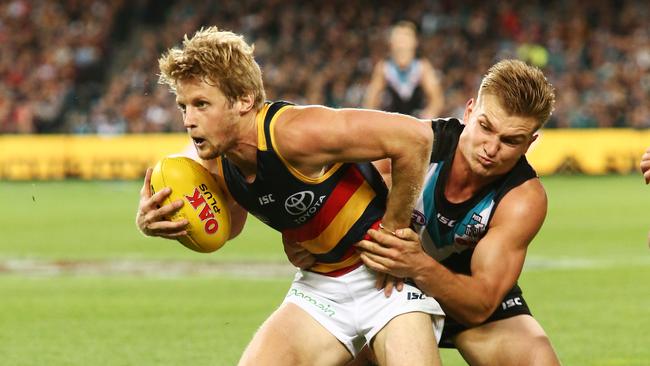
(480, 207)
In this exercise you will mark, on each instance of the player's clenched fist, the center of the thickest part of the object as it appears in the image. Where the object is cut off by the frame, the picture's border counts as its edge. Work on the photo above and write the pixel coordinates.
(152, 214)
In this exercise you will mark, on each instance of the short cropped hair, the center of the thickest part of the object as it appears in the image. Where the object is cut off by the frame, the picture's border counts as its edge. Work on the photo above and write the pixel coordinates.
(522, 90)
(404, 25)
(219, 58)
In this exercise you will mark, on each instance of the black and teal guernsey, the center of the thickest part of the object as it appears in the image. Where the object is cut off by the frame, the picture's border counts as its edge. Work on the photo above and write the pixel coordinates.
(404, 93)
(450, 231)
(326, 215)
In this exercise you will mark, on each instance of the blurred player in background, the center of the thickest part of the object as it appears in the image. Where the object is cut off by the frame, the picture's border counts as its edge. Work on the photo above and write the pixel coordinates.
(481, 206)
(404, 83)
(300, 170)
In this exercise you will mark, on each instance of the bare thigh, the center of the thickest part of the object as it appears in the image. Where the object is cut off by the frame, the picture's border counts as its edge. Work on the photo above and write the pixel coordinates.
(291, 337)
(519, 340)
(408, 339)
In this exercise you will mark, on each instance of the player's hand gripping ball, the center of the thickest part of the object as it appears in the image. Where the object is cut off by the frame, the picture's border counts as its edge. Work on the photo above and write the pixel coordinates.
(204, 205)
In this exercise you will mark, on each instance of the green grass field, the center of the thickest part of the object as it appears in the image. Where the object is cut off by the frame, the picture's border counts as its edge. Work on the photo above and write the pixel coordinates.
(586, 279)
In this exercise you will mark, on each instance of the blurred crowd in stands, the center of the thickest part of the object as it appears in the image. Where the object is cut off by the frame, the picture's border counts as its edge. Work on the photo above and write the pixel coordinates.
(83, 66)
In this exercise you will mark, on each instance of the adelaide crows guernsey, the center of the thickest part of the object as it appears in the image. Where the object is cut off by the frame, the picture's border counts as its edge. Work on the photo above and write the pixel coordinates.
(326, 215)
(450, 231)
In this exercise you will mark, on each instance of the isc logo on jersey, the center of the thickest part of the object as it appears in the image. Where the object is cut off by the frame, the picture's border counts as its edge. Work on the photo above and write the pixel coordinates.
(204, 208)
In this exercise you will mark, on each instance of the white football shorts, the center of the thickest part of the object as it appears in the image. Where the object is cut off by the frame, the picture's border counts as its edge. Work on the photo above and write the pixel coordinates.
(353, 310)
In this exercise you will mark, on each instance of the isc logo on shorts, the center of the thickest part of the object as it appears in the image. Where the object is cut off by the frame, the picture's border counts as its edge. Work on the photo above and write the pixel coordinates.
(415, 296)
(511, 303)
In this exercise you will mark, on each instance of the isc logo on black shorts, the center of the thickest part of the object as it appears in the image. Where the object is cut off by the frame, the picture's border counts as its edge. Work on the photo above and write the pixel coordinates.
(510, 303)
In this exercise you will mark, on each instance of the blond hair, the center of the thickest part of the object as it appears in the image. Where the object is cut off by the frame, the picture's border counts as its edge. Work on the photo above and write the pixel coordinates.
(522, 90)
(404, 25)
(219, 58)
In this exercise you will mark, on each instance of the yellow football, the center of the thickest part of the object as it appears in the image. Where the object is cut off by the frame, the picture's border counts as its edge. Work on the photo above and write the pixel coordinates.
(204, 205)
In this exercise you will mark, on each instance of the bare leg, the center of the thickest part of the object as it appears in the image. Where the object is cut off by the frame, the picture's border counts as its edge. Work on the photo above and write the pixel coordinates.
(364, 358)
(290, 336)
(519, 340)
(408, 339)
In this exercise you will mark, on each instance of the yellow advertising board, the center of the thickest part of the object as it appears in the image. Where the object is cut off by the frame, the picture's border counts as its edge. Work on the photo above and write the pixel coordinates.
(84, 156)
(42, 157)
(592, 151)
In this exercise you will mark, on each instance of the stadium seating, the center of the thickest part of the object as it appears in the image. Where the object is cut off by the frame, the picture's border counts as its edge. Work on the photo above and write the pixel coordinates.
(92, 69)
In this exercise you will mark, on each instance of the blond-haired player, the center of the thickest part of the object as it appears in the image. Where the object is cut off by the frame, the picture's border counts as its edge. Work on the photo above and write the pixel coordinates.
(305, 171)
(481, 206)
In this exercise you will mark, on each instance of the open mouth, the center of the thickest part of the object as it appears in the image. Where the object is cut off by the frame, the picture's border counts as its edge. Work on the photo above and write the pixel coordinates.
(198, 140)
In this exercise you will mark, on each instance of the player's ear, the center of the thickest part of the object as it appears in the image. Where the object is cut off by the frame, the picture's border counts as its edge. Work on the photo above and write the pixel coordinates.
(245, 103)
(532, 139)
(469, 106)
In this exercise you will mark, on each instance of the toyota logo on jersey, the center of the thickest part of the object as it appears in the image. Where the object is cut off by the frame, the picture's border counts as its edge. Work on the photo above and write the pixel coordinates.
(298, 203)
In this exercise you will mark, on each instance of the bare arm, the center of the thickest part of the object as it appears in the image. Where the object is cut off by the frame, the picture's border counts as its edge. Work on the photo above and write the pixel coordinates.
(432, 90)
(645, 166)
(238, 217)
(313, 137)
(375, 87)
(383, 167)
(496, 263)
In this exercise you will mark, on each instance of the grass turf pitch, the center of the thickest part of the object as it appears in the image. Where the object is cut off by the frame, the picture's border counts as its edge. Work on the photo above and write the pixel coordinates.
(585, 279)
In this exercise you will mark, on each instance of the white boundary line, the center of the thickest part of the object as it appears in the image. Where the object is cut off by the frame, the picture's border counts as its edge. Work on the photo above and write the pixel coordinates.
(250, 270)
(145, 268)
(536, 263)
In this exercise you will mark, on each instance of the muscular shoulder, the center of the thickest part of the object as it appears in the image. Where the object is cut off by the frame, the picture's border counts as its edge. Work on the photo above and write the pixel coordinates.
(305, 136)
(523, 208)
(300, 127)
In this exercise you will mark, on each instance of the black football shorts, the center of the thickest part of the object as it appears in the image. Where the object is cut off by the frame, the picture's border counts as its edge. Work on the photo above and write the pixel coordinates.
(513, 304)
